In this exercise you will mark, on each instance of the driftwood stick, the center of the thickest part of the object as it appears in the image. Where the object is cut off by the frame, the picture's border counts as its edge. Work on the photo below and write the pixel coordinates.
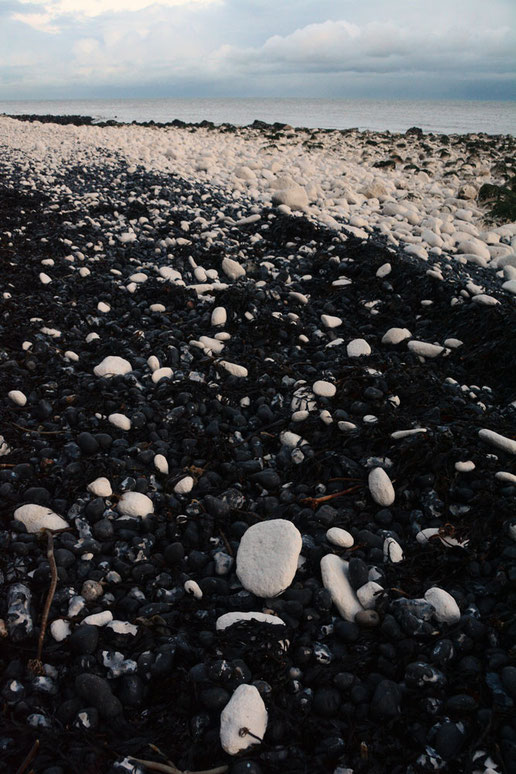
(28, 758)
(51, 592)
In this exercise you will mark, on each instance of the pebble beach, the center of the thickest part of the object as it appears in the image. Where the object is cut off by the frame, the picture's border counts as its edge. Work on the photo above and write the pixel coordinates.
(257, 447)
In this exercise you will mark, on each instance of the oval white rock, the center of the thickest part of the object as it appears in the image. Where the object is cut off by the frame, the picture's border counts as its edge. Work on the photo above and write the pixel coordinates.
(135, 504)
(267, 557)
(120, 420)
(36, 517)
(101, 487)
(339, 537)
(358, 348)
(185, 485)
(112, 366)
(446, 608)
(380, 486)
(17, 397)
(245, 710)
(324, 389)
(334, 572)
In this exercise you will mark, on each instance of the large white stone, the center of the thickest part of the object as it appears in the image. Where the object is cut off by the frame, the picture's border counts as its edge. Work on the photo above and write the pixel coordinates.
(112, 366)
(339, 537)
(36, 517)
(368, 594)
(330, 321)
(18, 397)
(446, 608)
(358, 348)
(185, 485)
(219, 316)
(267, 557)
(100, 487)
(334, 572)
(324, 389)
(135, 504)
(425, 349)
(500, 441)
(380, 486)
(228, 619)
(232, 269)
(295, 197)
(234, 369)
(120, 421)
(396, 335)
(245, 710)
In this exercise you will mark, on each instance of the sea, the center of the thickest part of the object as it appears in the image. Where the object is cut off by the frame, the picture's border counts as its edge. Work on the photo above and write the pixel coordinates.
(440, 116)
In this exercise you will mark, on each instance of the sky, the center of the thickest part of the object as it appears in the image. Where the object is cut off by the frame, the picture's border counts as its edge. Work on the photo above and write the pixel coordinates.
(426, 49)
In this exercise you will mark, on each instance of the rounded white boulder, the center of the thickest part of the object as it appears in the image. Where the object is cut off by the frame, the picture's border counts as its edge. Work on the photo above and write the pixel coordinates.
(267, 557)
(135, 504)
(112, 366)
(446, 608)
(245, 710)
(37, 517)
(381, 488)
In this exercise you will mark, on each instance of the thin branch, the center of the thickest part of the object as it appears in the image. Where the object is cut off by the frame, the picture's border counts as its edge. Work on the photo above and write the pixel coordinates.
(28, 758)
(36, 666)
(313, 502)
(164, 769)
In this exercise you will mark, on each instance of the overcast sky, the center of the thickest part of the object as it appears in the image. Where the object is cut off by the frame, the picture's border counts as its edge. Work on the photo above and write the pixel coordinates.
(52, 49)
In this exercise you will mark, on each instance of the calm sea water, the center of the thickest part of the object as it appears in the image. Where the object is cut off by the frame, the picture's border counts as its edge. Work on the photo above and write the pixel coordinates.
(447, 116)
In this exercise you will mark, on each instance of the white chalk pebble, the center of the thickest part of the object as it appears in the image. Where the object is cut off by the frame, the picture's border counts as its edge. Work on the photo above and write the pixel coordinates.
(193, 588)
(153, 363)
(330, 321)
(98, 619)
(424, 349)
(334, 573)
(464, 467)
(103, 307)
(500, 441)
(37, 517)
(368, 594)
(161, 464)
(485, 300)
(44, 278)
(267, 557)
(219, 316)
(229, 619)
(392, 551)
(72, 357)
(60, 629)
(232, 269)
(324, 389)
(384, 270)
(245, 710)
(161, 373)
(120, 421)
(185, 485)
(234, 369)
(380, 487)
(17, 397)
(157, 308)
(506, 477)
(446, 608)
(358, 348)
(396, 335)
(112, 366)
(339, 537)
(135, 504)
(101, 487)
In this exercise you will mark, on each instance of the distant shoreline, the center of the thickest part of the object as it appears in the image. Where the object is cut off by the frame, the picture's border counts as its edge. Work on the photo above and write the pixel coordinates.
(257, 124)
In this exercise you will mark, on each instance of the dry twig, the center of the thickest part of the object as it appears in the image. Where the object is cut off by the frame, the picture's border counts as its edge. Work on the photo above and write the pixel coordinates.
(165, 769)
(35, 664)
(314, 502)
(28, 758)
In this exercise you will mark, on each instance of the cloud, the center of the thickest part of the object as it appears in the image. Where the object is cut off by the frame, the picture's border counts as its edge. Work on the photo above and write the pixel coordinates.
(340, 46)
(53, 10)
